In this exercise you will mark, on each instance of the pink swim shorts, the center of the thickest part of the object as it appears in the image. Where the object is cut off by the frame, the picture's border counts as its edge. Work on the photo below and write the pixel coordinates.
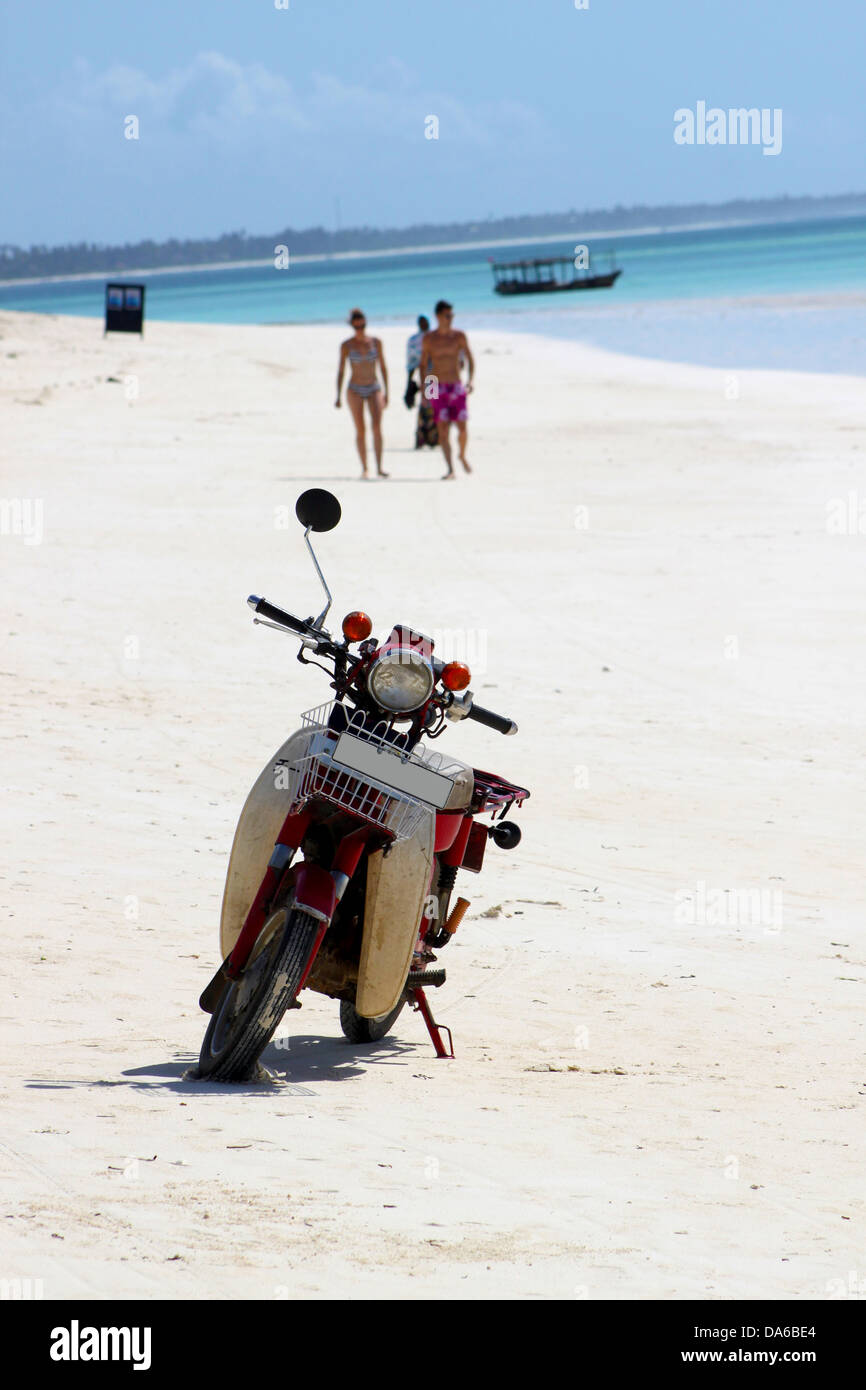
(450, 404)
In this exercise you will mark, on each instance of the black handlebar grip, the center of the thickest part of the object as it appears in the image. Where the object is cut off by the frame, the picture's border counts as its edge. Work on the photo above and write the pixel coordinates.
(499, 722)
(277, 615)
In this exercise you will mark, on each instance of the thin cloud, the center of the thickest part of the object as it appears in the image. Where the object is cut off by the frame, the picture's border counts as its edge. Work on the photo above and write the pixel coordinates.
(231, 102)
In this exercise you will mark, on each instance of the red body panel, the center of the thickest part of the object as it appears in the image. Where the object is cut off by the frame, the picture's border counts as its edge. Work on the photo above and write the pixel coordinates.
(447, 827)
(454, 855)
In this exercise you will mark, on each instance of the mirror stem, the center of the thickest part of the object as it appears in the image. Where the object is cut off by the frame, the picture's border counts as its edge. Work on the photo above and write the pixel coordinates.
(324, 613)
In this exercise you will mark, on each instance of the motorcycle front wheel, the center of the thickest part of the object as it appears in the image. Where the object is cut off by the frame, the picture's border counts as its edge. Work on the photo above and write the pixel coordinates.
(250, 1008)
(359, 1029)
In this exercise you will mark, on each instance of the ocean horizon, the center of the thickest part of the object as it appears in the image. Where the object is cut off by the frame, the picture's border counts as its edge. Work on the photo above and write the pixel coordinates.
(783, 295)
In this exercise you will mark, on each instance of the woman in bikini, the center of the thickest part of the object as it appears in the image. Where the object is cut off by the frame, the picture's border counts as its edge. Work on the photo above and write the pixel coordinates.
(364, 355)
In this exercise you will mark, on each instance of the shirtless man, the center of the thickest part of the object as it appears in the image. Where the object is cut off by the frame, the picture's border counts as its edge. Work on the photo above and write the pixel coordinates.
(441, 354)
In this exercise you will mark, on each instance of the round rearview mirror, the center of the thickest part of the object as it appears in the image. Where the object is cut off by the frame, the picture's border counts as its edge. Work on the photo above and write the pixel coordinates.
(318, 509)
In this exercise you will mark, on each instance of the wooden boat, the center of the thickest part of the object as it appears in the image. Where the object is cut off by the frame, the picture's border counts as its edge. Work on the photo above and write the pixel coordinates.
(547, 275)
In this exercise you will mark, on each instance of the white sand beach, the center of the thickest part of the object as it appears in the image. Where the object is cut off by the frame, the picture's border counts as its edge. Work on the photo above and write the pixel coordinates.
(658, 1090)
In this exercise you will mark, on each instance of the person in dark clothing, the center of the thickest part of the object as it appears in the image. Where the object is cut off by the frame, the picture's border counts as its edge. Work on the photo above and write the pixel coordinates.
(426, 431)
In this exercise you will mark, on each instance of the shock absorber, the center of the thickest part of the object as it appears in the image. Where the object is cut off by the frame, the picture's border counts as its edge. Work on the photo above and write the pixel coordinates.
(444, 886)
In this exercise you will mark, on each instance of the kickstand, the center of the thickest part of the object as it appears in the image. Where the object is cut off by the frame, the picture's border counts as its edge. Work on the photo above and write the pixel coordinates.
(419, 1001)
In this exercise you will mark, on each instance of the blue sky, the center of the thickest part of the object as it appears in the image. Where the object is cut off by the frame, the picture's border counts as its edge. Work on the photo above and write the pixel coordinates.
(258, 118)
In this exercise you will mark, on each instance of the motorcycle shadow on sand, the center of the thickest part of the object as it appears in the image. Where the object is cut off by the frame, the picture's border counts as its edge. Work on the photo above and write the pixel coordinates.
(293, 1061)
(312, 1057)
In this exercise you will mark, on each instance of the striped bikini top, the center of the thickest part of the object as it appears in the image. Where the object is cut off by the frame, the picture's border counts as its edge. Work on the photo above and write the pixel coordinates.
(357, 355)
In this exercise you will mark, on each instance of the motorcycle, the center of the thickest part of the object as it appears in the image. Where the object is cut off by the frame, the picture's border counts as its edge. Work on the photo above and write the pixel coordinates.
(381, 820)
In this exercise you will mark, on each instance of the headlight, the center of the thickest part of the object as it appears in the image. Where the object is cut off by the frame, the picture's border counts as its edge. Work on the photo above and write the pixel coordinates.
(401, 681)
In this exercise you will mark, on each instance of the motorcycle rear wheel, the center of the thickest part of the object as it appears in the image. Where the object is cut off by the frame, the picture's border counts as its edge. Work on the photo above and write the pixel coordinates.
(250, 1008)
(359, 1029)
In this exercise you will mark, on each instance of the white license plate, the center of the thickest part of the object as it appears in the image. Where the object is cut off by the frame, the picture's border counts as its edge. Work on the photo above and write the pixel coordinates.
(391, 771)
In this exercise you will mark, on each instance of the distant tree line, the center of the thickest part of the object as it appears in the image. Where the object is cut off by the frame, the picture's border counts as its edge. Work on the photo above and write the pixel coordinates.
(18, 262)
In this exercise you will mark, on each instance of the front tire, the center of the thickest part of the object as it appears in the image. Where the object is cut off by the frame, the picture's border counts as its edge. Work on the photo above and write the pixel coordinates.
(359, 1029)
(250, 1008)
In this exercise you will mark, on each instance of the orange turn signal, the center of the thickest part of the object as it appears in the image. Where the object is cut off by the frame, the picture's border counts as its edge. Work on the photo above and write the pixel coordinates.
(357, 626)
(456, 676)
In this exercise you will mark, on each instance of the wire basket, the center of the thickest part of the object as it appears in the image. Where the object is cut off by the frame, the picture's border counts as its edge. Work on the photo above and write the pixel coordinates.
(316, 774)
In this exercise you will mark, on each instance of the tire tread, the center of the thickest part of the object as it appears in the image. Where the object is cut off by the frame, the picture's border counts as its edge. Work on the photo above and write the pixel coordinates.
(238, 1062)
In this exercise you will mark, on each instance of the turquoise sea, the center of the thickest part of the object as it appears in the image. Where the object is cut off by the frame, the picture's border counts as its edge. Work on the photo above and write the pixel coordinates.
(718, 296)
